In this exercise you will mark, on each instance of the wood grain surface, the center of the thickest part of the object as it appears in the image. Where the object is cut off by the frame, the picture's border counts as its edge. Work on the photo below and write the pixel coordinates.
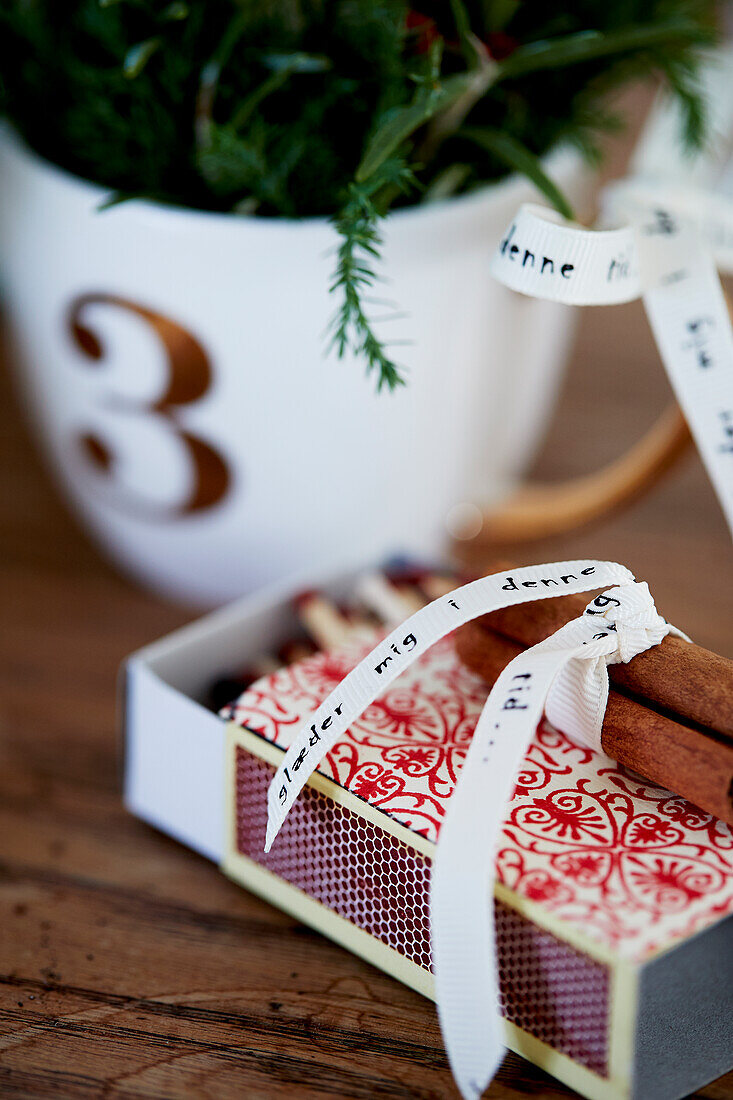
(129, 967)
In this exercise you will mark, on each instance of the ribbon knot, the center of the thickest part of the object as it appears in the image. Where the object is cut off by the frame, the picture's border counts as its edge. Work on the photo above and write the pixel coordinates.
(614, 628)
(630, 616)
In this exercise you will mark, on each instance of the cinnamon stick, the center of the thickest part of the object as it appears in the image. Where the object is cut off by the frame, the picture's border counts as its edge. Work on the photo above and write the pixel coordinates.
(679, 676)
(693, 763)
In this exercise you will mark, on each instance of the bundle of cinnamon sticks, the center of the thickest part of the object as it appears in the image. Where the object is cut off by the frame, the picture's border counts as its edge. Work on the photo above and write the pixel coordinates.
(670, 710)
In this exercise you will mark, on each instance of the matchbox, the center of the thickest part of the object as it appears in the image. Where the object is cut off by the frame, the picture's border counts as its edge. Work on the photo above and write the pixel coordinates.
(613, 900)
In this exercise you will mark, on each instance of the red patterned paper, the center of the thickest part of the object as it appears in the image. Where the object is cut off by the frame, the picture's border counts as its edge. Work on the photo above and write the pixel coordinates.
(626, 863)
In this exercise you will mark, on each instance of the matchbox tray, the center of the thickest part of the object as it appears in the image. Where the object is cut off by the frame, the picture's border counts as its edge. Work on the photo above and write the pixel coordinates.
(614, 899)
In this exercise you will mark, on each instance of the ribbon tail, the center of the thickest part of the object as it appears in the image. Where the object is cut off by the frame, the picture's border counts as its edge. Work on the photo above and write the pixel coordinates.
(482, 1073)
(463, 874)
(464, 957)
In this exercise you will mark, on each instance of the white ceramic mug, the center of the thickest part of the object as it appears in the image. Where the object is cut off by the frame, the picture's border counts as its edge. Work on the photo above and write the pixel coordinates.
(175, 364)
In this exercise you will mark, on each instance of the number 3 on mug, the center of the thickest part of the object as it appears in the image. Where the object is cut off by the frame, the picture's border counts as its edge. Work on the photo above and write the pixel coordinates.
(188, 378)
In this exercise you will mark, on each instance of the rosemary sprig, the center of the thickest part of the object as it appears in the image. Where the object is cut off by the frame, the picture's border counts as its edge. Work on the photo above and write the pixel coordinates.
(358, 227)
(440, 113)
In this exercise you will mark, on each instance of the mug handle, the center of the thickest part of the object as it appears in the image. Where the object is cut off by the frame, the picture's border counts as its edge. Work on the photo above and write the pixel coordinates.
(537, 511)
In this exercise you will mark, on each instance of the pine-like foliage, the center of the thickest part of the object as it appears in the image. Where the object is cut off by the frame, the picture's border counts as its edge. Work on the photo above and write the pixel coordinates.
(342, 108)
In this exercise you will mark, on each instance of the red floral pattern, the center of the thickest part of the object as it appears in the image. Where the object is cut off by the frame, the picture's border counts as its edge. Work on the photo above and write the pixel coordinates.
(628, 864)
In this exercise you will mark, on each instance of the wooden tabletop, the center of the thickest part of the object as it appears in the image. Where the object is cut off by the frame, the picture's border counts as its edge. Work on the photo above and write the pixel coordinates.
(129, 967)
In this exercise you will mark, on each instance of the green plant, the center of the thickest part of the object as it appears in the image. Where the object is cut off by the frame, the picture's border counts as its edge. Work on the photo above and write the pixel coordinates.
(343, 108)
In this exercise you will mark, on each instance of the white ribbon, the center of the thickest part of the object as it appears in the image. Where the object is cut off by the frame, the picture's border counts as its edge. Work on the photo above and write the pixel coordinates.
(658, 254)
(566, 675)
(676, 216)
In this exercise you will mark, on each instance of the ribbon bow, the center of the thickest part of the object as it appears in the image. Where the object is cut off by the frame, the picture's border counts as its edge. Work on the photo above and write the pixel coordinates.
(564, 675)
